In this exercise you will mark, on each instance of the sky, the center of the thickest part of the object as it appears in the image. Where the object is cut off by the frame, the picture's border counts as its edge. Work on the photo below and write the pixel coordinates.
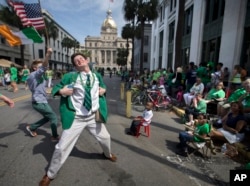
(81, 18)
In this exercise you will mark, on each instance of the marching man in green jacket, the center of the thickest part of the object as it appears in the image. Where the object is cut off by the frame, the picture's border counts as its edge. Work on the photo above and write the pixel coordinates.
(82, 104)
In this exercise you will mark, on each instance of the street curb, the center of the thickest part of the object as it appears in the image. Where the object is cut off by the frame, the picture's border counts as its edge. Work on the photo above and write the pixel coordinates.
(179, 112)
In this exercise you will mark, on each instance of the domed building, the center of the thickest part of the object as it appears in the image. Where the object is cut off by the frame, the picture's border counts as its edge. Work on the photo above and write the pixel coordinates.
(103, 49)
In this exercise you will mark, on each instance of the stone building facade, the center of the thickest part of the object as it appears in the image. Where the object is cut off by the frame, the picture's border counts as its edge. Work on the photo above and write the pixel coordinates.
(103, 48)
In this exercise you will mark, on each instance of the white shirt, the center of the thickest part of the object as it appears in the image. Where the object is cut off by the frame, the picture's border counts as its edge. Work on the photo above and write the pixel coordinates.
(77, 97)
(147, 116)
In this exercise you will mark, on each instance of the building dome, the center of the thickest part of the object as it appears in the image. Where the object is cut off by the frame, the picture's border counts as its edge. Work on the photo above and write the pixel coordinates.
(109, 22)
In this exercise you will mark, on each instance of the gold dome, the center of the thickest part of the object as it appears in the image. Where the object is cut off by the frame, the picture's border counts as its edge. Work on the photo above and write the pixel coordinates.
(109, 22)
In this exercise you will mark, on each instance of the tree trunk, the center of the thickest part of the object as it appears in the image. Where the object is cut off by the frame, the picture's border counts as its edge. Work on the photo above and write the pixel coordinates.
(179, 33)
(142, 45)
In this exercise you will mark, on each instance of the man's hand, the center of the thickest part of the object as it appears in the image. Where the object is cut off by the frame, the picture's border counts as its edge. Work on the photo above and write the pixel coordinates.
(101, 91)
(49, 51)
(66, 91)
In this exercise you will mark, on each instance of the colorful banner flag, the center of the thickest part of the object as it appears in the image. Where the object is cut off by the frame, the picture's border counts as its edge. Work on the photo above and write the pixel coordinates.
(28, 35)
(30, 14)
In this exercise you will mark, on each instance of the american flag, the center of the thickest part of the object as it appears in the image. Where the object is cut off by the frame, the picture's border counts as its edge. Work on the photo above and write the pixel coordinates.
(30, 14)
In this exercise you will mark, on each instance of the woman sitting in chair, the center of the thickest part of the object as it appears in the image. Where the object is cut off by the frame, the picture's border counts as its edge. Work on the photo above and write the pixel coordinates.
(233, 125)
(144, 120)
(200, 132)
(199, 106)
(198, 87)
(216, 94)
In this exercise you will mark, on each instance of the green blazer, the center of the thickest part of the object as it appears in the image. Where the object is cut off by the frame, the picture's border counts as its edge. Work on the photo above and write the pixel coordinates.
(67, 110)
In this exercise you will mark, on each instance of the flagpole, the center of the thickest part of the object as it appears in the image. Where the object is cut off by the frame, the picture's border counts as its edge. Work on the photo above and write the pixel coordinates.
(46, 30)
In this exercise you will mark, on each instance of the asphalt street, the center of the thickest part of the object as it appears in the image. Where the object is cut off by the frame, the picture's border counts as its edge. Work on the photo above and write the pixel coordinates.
(141, 161)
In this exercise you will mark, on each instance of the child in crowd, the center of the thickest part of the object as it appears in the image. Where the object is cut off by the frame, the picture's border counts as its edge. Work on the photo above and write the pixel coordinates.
(145, 119)
(202, 129)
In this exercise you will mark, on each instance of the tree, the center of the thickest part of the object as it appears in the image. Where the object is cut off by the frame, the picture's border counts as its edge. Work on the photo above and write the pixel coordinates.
(147, 11)
(129, 9)
(68, 44)
(50, 31)
(8, 15)
(87, 53)
(122, 54)
(76, 45)
(140, 11)
(128, 33)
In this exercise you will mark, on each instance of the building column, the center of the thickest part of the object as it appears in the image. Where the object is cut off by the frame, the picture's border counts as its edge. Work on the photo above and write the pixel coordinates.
(105, 61)
(111, 58)
(232, 33)
(199, 10)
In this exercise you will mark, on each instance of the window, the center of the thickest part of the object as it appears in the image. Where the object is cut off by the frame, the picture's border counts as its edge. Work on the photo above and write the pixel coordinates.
(146, 40)
(162, 14)
(172, 5)
(145, 57)
(161, 40)
(188, 21)
(214, 10)
(40, 53)
(171, 32)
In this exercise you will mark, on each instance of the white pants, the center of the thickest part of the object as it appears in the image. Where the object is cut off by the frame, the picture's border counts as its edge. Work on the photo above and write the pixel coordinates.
(188, 98)
(70, 136)
(49, 81)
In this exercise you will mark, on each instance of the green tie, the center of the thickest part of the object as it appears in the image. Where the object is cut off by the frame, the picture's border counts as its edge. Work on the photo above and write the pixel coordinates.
(87, 98)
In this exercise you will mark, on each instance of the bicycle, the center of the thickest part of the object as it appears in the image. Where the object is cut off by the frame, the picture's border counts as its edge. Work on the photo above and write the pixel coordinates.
(158, 99)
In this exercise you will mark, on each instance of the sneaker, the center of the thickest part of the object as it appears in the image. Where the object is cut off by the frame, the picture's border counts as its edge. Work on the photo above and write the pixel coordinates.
(113, 158)
(55, 139)
(32, 133)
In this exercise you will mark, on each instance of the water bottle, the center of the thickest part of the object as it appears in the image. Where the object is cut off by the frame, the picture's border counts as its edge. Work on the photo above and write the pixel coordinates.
(224, 148)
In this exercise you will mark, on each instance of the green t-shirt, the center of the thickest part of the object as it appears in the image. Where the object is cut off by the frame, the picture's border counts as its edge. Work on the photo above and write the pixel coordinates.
(201, 130)
(246, 102)
(201, 106)
(1, 72)
(215, 94)
(202, 73)
(236, 94)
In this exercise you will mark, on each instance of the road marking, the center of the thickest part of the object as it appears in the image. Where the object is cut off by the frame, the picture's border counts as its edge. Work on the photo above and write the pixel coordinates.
(17, 99)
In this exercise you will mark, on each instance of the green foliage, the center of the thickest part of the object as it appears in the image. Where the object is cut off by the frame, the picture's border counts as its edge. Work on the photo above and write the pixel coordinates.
(122, 55)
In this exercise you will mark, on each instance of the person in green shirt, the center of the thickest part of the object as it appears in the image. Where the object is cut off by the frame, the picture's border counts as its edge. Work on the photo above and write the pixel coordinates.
(49, 75)
(25, 74)
(199, 105)
(2, 76)
(245, 100)
(13, 77)
(224, 106)
(202, 129)
(217, 93)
